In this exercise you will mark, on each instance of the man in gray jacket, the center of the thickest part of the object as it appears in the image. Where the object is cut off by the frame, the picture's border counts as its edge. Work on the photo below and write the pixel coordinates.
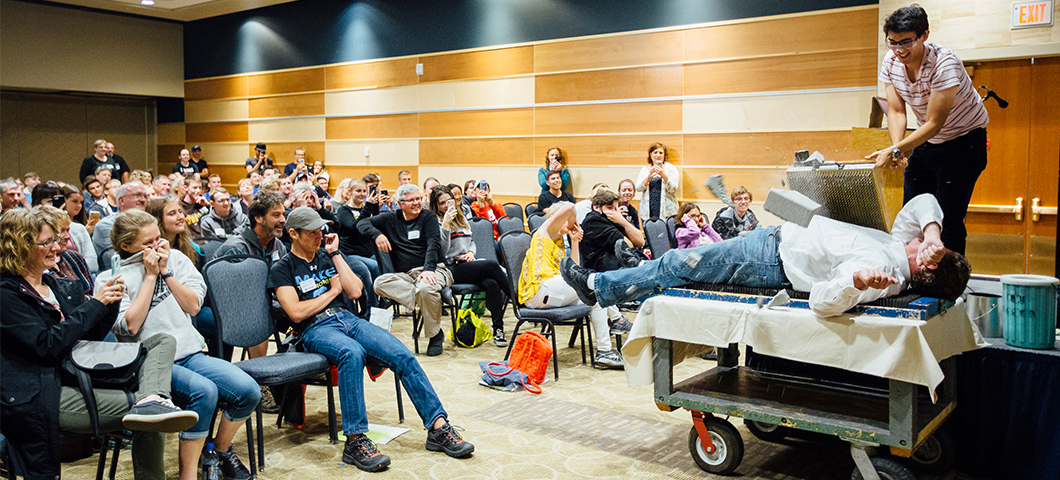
(223, 220)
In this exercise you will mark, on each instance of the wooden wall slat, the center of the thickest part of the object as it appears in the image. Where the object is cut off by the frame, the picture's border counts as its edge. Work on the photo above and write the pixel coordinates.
(167, 156)
(757, 181)
(215, 132)
(662, 81)
(216, 88)
(513, 122)
(609, 118)
(764, 149)
(852, 68)
(389, 73)
(307, 80)
(608, 150)
(501, 62)
(858, 29)
(291, 106)
(376, 126)
(230, 174)
(502, 151)
(613, 51)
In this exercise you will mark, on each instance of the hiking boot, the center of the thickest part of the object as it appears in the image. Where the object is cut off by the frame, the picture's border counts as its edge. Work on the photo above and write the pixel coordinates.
(445, 439)
(231, 467)
(609, 359)
(159, 416)
(434, 347)
(578, 278)
(498, 337)
(620, 326)
(268, 403)
(361, 451)
(627, 256)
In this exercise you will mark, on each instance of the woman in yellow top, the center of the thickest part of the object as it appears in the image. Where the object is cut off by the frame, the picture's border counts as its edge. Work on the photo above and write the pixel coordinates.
(542, 286)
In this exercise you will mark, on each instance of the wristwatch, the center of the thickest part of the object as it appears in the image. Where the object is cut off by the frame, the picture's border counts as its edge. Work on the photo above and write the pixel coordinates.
(896, 153)
(336, 252)
(167, 275)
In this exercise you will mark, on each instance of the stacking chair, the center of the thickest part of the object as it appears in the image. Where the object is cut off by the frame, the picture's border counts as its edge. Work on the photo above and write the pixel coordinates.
(510, 224)
(513, 210)
(530, 208)
(237, 287)
(535, 220)
(386, 265)
(513, 248)
(210, 247)
(671, 228)
(658, 237)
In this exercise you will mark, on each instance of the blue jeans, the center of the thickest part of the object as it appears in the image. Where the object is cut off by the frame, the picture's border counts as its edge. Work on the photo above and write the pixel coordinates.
(199, 380)
(367, 269)
(751, 260)
(345, 340)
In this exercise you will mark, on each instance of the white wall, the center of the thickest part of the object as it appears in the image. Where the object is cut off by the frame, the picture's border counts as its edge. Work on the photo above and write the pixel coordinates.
(55, 48)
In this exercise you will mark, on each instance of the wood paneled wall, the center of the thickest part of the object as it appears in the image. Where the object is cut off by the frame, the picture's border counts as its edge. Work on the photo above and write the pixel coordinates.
(736, 98)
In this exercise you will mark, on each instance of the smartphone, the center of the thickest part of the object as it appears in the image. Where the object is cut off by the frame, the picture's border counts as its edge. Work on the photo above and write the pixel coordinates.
(93, 217)
(115, 265)
(371, 191)
(450, 203)
(301, 161)
(383, 192)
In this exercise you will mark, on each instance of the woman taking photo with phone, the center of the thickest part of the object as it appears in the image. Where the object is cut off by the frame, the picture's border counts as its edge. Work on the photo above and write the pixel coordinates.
(659, 182)
(460, 259)
(163, 290)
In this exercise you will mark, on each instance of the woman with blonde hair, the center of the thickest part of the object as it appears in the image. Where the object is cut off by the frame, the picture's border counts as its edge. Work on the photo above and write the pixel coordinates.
(69, 264)
(245, 189)
(659, 181)
(163, 290)
(555, 161)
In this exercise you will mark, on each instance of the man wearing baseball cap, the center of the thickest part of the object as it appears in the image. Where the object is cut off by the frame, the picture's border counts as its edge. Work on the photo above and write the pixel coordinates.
(260, 161)
(196, 158)
(309, 283)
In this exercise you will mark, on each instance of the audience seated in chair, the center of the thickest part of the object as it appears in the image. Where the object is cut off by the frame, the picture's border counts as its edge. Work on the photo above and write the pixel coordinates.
(484, 207)
(309, 282)
(695, 229)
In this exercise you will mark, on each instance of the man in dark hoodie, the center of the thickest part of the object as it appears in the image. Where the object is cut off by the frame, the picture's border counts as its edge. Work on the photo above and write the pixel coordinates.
(223, 220)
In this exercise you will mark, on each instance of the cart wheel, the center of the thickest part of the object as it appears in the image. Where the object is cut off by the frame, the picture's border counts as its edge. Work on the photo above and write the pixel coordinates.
(936, 455)
(887, 469)
(728, 447)
(767, 431)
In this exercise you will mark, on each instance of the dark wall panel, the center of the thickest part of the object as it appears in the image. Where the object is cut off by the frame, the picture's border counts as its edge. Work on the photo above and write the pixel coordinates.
(318, 32)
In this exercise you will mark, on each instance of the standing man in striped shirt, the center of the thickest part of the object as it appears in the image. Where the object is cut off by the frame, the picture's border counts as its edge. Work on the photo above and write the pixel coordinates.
(946, 153)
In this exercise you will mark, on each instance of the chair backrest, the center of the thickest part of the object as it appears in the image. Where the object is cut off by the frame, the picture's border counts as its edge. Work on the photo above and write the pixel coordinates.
(237, 287)
(657, 236)
(513, 249)
(386, 265)
(103, 259)
(211, 247)
(482, 235)
(530, 208)
(513, 210)
(671, 227)
(535, 220)
(510, 224)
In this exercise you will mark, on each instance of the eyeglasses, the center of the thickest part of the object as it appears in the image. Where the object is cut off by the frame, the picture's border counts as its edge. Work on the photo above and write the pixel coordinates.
(412, 200)
(904, 44)
(48, 244)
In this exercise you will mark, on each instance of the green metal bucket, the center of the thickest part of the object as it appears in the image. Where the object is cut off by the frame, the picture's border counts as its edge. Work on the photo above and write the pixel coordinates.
(1029, 310)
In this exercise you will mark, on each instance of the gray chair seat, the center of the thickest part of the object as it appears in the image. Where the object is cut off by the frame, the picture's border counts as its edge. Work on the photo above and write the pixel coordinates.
(555, 314)
(465, 288)
(281, 368)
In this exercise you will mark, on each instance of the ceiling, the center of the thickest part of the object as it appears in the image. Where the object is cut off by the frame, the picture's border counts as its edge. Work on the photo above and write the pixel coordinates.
(180, 10)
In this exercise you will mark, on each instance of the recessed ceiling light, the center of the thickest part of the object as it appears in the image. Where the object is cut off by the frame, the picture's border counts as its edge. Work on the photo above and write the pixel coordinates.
(147, 2)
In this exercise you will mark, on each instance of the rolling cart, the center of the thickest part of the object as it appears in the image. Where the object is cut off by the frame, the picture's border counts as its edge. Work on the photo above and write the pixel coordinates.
(900, 416)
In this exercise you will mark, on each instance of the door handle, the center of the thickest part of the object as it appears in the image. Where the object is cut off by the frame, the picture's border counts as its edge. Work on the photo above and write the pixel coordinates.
(1037, 210)
(1016, 209)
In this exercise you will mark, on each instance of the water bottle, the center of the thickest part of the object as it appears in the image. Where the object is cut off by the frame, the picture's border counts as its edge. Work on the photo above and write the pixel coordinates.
(211, 464)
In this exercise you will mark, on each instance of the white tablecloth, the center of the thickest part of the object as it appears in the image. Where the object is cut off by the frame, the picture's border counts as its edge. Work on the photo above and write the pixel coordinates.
(899, 349)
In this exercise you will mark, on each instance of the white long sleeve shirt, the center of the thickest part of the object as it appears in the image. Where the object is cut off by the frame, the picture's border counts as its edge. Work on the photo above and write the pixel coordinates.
(823, 257)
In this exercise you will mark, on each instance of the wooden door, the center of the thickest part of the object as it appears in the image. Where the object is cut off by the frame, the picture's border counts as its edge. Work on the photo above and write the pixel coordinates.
(1005, 235)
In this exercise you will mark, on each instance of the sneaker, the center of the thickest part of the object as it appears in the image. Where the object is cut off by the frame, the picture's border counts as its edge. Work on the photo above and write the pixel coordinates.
(620, 326)
(360, 451)
(578, 278)
(445, 439)
(609, 359)
(627, 256)
(231, 467)
(498, 337)
(434, 348)
(268, 403)
(159, 416)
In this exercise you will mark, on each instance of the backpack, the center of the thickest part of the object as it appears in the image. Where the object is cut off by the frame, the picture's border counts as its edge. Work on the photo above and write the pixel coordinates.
(106, 365)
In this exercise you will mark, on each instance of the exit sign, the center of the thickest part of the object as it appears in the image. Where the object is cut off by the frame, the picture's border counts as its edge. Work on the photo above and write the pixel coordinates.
(1032, 14)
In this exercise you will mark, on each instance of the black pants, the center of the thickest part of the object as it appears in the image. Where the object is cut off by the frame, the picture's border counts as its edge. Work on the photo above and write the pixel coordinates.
(488, 275)
(948, 171)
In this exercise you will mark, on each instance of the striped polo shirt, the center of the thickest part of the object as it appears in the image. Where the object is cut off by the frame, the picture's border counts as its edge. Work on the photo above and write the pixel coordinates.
(941, 69)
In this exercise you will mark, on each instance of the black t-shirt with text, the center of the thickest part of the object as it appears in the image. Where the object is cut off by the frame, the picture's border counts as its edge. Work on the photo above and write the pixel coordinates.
(187, 171)
(309, 279)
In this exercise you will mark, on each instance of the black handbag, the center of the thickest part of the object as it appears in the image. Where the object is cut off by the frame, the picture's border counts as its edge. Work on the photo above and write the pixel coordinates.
(105, 365)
